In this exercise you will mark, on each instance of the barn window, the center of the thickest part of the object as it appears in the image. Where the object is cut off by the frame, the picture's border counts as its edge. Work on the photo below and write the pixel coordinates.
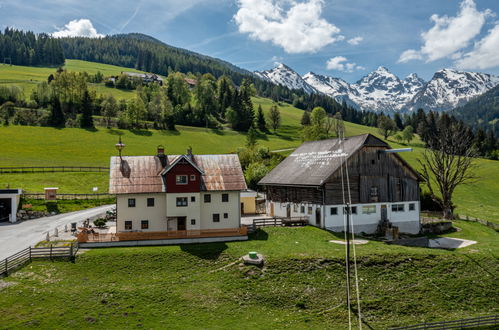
(144, 224)
(181, 179)
(397, 207)
(128, 225)
(150, 202)
(310, 210)
(181, 201)
(334, 211)
(368, 209)
(295, 208)
(353, 210)
(302, 209)
(373, 194)
(373, 161)
(412, 207)
(131, 202)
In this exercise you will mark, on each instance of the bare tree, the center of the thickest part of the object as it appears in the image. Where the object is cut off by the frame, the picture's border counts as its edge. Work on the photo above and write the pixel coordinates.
(448, 163)
(339, 125)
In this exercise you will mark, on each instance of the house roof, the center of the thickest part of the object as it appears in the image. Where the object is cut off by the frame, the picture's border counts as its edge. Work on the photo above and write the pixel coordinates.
(314, 162)
(184, 157)
(142, 174)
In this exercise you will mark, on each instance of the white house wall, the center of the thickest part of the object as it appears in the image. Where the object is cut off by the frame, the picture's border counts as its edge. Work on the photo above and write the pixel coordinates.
(155, 214)
(407, 221)
(232, 208)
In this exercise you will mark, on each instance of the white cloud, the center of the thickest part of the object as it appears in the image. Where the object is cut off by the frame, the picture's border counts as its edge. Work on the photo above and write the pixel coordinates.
(78, 28)
(341, 63)
(299, 28)
(355, 41)
(485, 53)
(410, 54)
(449, 34)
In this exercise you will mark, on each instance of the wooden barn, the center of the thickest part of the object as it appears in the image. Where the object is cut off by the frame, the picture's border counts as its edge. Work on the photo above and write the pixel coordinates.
(383, 187)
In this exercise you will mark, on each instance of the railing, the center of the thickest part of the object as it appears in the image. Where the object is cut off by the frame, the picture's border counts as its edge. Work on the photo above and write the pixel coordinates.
(52, 169)
(456, 324)
(30, 195)
(25, 256)
(280, 221)
(86, 237)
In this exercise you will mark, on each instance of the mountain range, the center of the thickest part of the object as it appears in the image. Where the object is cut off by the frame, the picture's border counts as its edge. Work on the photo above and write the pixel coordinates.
(381, 90)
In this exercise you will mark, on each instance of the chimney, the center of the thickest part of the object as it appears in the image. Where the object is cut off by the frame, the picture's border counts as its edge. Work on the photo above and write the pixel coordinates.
(161, 155)
(189, 153)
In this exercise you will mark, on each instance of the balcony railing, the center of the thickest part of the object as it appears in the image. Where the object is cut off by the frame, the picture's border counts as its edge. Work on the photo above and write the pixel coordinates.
(85, 236)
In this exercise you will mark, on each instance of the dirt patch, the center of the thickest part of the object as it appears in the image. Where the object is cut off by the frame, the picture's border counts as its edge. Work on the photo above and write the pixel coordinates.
(5, 284)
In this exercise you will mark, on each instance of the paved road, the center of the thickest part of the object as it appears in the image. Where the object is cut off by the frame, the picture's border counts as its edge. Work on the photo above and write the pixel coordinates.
(17, 236)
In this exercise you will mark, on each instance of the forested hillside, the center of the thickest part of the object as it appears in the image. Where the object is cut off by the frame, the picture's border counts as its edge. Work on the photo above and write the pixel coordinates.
(481, 112)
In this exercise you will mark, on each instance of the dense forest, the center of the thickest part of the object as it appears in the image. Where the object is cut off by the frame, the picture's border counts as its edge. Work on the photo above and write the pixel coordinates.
(482, 111)
(27, 48)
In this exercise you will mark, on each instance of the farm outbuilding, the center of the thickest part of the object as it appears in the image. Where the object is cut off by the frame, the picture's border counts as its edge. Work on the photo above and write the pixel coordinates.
(9, 200)
(312, 182)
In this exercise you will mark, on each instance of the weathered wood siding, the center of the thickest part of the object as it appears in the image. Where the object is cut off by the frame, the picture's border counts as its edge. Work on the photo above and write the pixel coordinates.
(294, 194)
(368, 168)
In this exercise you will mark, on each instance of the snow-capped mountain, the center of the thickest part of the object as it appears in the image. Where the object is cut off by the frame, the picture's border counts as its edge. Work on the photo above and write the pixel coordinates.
(285, 76)
(381, 90)
(449, 89)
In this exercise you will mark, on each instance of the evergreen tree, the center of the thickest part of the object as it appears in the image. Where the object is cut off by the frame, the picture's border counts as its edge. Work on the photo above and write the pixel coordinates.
(274, 117)
(305, 118)
(251, 138)
(87, 120)
(56, 118)
(260, 119)
(398, 120)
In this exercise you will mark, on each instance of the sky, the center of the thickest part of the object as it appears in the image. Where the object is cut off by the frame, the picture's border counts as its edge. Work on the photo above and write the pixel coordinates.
(339, 38)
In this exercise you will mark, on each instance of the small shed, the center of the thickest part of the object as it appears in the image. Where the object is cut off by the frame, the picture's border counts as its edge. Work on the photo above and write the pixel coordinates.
(248, 201)
(9, 200)
(51, 194)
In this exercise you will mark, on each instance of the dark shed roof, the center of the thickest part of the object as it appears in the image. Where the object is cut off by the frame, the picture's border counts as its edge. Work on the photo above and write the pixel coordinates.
(142, 174)
(314, 162)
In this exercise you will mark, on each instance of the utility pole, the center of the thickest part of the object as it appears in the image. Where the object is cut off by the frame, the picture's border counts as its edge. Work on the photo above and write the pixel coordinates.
(348, 255)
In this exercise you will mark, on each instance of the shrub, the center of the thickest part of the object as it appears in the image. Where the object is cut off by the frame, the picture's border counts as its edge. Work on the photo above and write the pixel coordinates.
(100, 222)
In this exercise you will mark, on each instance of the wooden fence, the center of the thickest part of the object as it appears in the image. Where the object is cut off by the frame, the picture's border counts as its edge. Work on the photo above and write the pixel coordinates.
(474, 322)
(30, 195)
(85, 236)
(279, 221)
(52, 169)
(25, 256)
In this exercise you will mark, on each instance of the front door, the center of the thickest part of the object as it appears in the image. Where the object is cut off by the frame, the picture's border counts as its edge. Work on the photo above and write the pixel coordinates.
(384, 215)
(271, 209)
(5, 209)
(181, 223)
(318, 217)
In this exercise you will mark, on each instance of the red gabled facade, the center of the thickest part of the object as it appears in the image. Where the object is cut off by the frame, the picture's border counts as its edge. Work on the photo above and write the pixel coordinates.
(183, 168)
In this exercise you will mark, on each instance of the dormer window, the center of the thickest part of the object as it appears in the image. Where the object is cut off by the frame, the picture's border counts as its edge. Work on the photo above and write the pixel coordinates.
(181, 179)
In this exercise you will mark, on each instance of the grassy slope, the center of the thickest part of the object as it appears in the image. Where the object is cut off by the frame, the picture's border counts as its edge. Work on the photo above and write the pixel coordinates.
(301, 286)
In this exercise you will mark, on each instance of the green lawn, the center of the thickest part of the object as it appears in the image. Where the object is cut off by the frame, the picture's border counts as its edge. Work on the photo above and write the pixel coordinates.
(301, 285)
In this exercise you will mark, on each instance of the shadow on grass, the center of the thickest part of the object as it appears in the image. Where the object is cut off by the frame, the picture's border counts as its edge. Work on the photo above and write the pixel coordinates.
(209, 251)
(217, 131)
(169, 132)
(141, 132)
(113, 131)
(259, 235)
(91, 129)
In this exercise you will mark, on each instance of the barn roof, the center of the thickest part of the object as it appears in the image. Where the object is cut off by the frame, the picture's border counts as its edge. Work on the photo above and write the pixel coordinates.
(142, 174)
(314, 162)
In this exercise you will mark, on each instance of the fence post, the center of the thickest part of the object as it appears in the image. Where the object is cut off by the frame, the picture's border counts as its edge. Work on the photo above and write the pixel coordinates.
(50, 251)
(6, 268)
(30, 253)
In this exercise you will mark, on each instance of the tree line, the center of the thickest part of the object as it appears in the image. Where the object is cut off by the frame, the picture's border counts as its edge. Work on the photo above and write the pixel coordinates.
(27, 48)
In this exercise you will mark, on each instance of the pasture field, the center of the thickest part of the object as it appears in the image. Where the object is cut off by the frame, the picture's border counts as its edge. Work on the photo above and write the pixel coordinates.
(302, 285)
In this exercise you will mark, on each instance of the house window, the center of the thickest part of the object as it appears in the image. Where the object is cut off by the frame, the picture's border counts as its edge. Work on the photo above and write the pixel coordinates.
(193, 222)
(353, 210)
(295, 208)
(150, 202)
(207, 198)
(412, 207)
(310, 210)
(131, 202)
(181, 201)
(369, 209)
(334, 211)
(144, 224)
(181, 179)
(373, 194)
(302, 209)
(216, 217)
(193, 198)
(225, 197)
(226, 215)
(193, 177)
(397, 207)
(128, 225)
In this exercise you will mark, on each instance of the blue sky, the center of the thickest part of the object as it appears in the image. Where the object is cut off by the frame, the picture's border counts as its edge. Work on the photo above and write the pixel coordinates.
(341, 38)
